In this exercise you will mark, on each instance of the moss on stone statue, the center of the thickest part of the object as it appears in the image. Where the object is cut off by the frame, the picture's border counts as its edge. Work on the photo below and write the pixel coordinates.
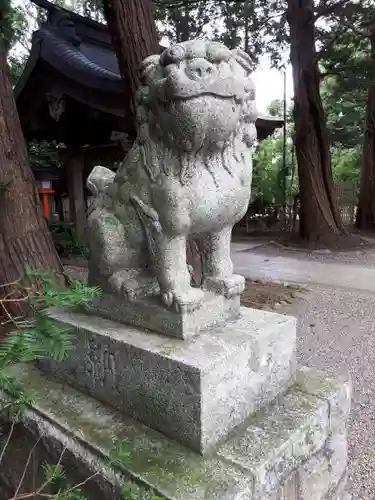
(176, 471)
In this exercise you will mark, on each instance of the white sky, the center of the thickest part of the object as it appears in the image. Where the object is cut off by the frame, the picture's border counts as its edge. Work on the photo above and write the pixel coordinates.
(270, 84)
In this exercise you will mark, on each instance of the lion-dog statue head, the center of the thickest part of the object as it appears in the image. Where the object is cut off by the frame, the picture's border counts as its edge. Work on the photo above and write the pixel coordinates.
(197, 95)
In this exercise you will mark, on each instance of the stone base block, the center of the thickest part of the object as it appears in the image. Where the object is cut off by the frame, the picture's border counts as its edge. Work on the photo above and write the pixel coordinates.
(149, 314)
(292, 449)
(195, 391)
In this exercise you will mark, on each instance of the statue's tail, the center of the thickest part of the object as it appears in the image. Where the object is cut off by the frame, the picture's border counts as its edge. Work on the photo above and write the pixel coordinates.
(99, 179)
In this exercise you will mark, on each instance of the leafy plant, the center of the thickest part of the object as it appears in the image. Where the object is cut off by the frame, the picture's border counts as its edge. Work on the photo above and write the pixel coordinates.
(119, 454)
(44, 154)
(53, 473)
(37, 336)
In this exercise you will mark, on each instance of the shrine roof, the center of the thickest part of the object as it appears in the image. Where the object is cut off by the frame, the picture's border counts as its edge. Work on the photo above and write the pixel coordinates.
(78, 47)
(74, 54)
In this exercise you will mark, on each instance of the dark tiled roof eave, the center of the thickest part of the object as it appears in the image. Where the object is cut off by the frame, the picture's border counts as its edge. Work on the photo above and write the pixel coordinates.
(71, 62)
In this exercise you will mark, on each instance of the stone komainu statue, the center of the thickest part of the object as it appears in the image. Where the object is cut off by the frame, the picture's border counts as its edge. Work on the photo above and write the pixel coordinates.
(188, 174)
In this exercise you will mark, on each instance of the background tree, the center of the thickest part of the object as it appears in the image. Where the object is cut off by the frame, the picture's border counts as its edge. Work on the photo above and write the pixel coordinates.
(270, 175)
(24, 237)
(134, 38)
(268, 155)
(366, 202)
(351, 69)
(345, 109)
(319, 216)
(188, 21)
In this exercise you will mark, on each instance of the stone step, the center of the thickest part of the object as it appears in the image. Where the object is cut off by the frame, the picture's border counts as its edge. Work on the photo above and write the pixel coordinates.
(293, 449)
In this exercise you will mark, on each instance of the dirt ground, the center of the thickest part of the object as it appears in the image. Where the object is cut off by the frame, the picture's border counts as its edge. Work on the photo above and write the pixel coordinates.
(270, 295)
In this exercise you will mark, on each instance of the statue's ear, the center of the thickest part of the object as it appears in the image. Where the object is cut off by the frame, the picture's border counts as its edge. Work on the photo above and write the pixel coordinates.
(244, 60)
(250, 88)
(99, 179)
(148, 69)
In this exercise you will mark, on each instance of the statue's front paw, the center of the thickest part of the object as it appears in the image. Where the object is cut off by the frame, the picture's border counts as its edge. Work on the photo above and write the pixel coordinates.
(133, 285)
(183, 301)
(229, 286)
(118, 280)
(119, 283)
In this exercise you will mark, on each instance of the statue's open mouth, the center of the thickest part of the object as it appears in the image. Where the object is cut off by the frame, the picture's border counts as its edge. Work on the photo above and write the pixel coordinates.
(214, 95)
(220, 88)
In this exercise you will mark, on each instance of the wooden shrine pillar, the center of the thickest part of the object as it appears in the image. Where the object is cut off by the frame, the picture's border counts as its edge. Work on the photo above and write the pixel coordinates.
(74, 170)
(59, 206)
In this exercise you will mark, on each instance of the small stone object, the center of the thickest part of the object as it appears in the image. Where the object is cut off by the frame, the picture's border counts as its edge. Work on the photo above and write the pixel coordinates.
(188, 173)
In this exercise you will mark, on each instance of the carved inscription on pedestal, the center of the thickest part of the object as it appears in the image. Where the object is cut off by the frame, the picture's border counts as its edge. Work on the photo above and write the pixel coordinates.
(100, 364)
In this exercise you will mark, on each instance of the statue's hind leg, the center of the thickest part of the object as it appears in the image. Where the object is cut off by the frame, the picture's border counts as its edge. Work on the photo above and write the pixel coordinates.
(218, 264)
(114, 266)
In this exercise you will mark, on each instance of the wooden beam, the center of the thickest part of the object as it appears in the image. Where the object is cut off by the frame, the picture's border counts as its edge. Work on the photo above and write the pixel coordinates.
(74, 169)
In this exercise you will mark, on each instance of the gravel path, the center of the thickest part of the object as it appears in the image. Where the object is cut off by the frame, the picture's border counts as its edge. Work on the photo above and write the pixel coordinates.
(364, 257)
(337, 333)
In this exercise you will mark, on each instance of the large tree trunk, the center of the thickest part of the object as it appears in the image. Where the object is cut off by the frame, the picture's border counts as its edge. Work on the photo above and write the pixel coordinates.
(366, 203)
(320, 220)
(24, 236)
(134, 38)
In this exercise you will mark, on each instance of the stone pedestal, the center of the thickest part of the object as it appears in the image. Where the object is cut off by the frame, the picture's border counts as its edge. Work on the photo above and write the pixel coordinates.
(294, 448)
(148, 313)
(222, 415)
(195, 391)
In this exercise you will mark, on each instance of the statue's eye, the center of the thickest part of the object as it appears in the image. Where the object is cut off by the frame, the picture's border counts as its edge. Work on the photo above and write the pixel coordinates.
(173, 55)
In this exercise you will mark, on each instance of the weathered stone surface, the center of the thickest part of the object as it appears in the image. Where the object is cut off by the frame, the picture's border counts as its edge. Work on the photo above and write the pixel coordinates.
(188, 173)
(86, 429)
(194, 391)
(337, 392)
(150, 314)
(279, 439)
(290, 488)
(341, 491)
(323, 473)
(300, 486)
